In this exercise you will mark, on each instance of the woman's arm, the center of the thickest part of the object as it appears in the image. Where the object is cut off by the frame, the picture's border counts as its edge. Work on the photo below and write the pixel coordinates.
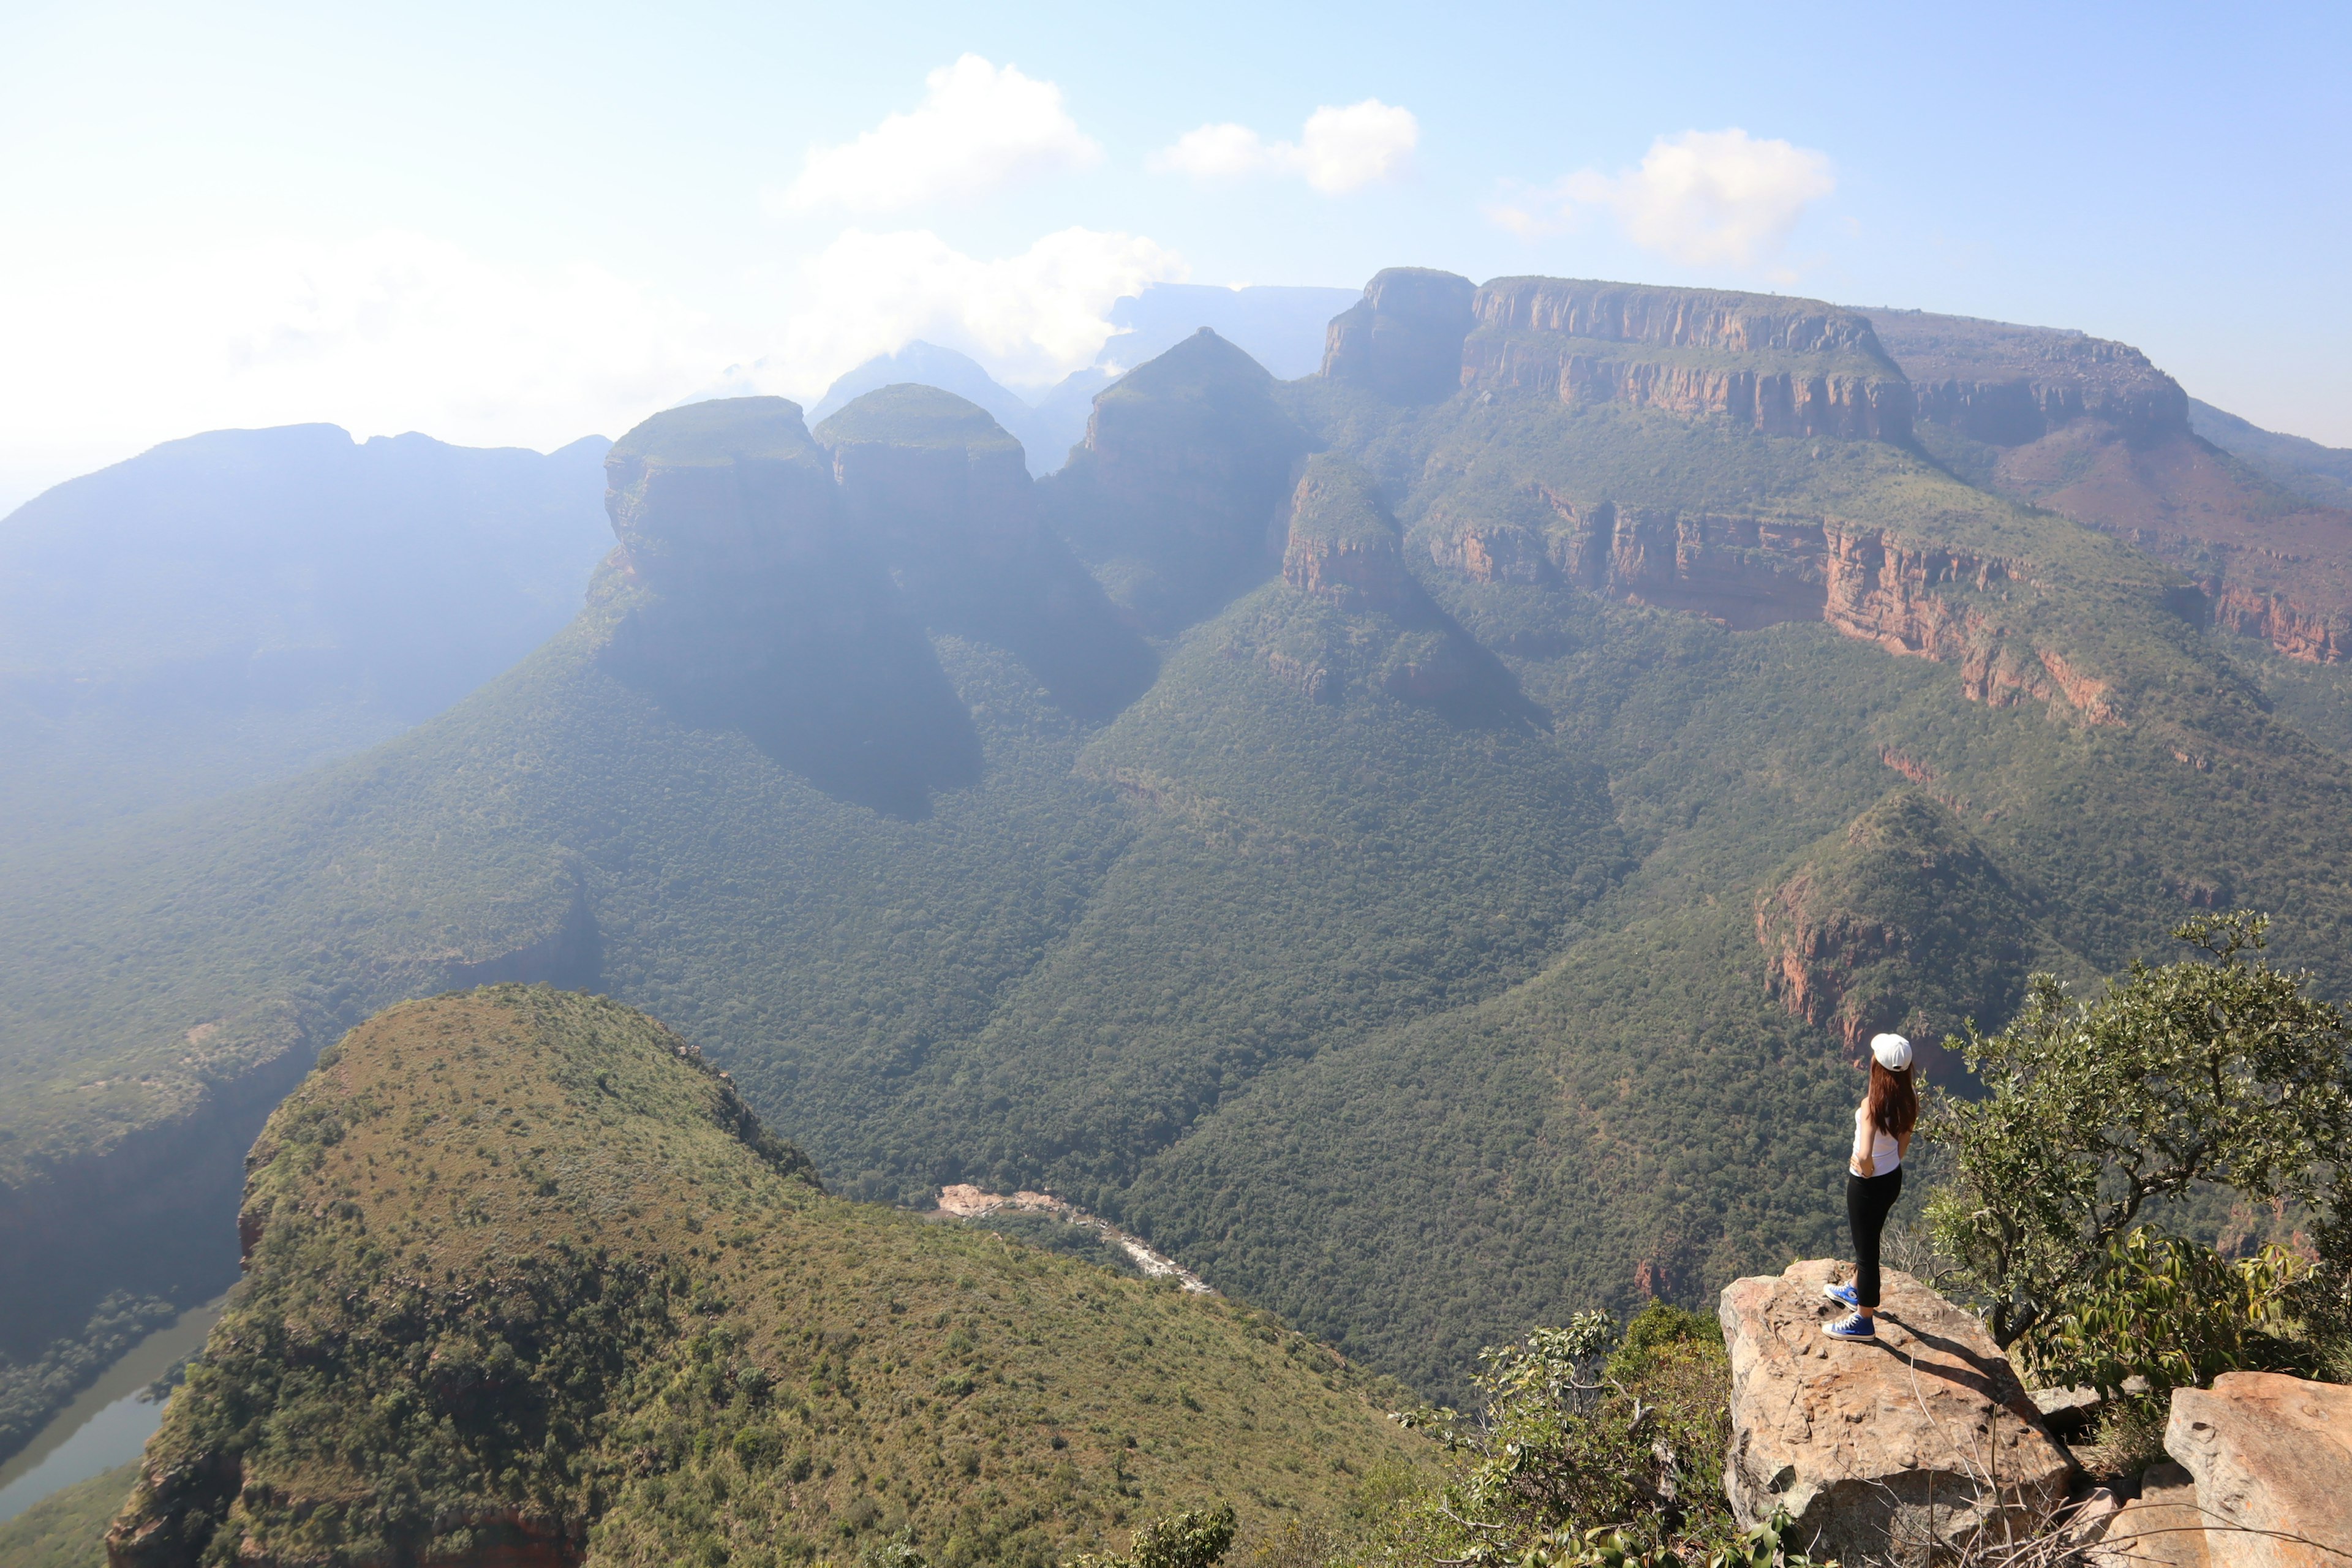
(1903, 1148)
(1866, 1143)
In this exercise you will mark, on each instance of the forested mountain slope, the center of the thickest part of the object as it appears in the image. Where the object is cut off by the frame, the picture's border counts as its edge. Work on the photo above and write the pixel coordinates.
(235, 607)
(528, 1283)
(1428, 870)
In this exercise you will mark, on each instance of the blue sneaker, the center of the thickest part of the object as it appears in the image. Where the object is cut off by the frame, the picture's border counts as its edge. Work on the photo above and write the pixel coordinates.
(1856, 1327)
(1844, 1296)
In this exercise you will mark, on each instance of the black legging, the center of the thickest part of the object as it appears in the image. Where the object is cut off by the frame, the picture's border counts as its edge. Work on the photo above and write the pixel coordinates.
(1868, 1201)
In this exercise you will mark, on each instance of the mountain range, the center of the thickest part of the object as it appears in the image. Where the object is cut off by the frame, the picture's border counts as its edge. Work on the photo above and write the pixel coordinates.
(1420, 842)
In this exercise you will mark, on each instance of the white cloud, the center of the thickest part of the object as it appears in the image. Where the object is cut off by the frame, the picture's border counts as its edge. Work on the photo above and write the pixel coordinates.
(1031, 318)
(388, 333)
(1338, 149)
(977, 128)
(1702, 198)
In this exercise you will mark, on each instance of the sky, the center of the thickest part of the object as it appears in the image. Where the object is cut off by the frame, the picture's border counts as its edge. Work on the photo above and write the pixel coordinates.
(517, 225)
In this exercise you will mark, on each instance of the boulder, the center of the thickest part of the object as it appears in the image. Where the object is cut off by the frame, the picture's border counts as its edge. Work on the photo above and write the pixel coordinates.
(2271, 1457)
(1905, 1447)
(2158, 1529)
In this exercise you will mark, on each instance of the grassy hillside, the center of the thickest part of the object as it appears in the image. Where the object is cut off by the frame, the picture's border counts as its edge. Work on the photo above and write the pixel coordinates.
(68, 1527)
(522, 1268)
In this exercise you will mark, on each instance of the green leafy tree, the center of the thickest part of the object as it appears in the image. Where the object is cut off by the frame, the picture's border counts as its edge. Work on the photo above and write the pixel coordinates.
(2215, 1069)
(1195, 1538)
(1587, 1443)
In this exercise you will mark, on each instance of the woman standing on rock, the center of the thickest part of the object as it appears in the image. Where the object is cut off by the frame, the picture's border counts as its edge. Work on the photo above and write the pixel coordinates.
(1882, 1136)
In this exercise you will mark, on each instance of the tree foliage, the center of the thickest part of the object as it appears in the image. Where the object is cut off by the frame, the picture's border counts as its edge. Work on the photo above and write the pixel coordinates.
(1585, 1438)
(2217, 1070)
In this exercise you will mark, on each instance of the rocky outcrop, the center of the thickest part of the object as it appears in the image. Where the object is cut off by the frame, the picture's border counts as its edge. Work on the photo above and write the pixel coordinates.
(1901, 921)
(1902, 1449)
(2008, 386)
(1403, 340)
(760, 608)
(1176, 499)
(2091, 429)
(2271, 1457)
(1900, 597)
(1342, 546)
(2161, 1528)
(1787, 367)
(1747, 572)
(2299, 631)
(941, 493)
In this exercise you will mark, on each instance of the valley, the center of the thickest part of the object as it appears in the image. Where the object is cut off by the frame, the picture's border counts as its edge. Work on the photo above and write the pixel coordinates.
(1421, 845)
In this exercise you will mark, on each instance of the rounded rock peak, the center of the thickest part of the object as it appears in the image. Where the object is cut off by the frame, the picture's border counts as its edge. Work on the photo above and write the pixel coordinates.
(716, 433)
(905, 413)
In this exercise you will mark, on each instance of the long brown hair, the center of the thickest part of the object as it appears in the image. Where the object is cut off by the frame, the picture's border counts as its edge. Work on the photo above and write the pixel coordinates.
(1894, 1104)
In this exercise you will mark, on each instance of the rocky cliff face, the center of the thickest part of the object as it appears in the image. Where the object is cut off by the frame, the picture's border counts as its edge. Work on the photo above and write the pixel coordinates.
(1787, 367)
(942, 496)
(1403, 340)
(758, 607)
(1748, 572)
(1176, 500)
(2007, 386)
(1342, 546)
(2092, 430)
(1900, 921)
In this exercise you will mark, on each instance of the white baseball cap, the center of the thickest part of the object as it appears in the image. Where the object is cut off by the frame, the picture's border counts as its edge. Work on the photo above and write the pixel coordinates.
(1892, 1051)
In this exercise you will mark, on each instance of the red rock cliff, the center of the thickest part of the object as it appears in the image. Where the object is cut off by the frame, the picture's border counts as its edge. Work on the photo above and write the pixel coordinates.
(1787, 367)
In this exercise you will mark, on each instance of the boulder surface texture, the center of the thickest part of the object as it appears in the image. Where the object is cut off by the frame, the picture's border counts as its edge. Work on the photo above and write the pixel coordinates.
(1905, 1447)
(2271, 1456)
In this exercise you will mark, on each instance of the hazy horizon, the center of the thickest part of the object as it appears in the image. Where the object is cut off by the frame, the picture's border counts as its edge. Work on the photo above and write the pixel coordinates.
(523, 229)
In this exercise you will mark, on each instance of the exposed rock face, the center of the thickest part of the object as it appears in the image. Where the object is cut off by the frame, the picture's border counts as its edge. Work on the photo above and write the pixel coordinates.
(1787, 367)
(1343, 545)
(2007, 386)
(1900, 921)
(763, 610)
(2091, 429)
(1176, 500)
(2271, 1457)
(1748, 572)
(2161, 1528)
(1403, 340)
(1901, 1448)
(2295, 630)
(941, 494)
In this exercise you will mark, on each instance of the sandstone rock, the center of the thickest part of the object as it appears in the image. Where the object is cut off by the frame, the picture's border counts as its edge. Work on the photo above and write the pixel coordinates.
(2272, 1457)
(938, 489)
(1785, 366)
(2158, 1529)
(1180, 487)
(1914, 1443)
(1404, 339)
(1343, 547)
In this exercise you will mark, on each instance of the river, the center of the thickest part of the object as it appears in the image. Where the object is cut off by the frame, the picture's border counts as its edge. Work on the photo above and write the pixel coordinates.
(109, 1422)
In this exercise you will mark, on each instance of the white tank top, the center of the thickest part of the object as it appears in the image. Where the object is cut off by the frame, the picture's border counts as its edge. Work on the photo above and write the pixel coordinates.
(1885, 1154)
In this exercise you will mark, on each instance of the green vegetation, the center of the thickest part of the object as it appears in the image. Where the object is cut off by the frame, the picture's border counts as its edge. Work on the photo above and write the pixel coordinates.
(1590, 1450)
(908, 416)
(68, 1527)
(527, 1269)
(2219, 1071)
